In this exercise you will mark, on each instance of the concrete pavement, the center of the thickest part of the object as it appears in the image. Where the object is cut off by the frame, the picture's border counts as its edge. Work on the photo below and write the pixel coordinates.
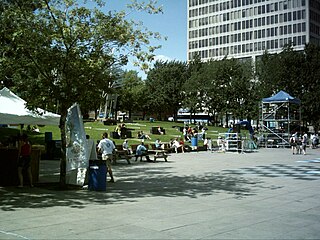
(270, 194)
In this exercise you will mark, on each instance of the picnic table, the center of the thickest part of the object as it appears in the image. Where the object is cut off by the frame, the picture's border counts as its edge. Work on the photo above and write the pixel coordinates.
(160, 153)
(122, 154)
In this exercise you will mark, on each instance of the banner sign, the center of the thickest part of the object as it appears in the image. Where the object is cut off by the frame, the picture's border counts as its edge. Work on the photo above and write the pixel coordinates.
(76, 149)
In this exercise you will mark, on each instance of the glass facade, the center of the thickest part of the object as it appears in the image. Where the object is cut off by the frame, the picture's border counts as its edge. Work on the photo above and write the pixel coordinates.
(246, 28)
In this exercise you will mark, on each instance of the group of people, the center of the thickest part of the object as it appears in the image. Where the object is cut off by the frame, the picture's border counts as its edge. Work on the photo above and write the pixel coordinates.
(107, 149)
(178, 145)
(121, 130)
(189, 132)
(299, 143)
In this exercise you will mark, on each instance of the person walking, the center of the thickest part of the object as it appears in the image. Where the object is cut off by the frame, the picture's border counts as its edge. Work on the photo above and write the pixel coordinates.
(24, 160)
(107, 148)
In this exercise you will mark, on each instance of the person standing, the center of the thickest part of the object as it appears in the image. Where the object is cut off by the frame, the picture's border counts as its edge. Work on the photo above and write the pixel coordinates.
(24, 160)
(293, 144)
(299, 144)
(107, 148)
(304, 143)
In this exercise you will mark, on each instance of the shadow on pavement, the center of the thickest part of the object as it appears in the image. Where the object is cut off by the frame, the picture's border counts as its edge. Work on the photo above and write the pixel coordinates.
(134, 183)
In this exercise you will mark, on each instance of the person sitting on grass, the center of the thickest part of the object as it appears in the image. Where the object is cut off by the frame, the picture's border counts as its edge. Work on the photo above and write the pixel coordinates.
(142, 135)
(160, 130)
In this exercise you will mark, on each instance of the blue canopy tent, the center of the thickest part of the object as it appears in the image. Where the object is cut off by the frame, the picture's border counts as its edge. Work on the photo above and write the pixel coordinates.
(280, 114)
(281, 97)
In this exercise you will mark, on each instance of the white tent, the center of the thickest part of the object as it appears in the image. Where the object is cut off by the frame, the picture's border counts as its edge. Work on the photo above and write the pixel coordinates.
(13, 111)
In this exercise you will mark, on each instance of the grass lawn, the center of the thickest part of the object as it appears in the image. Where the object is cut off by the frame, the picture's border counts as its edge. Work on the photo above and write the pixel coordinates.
(95, 130)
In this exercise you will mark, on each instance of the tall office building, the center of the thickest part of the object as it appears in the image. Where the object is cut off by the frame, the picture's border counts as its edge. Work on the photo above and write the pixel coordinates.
(246, 28)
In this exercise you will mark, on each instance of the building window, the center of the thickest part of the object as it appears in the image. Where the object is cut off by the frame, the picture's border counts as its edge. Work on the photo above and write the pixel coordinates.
(294, 41)
(281, 18)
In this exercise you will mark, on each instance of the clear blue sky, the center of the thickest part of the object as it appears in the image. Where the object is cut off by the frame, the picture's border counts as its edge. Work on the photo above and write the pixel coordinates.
(172, 23)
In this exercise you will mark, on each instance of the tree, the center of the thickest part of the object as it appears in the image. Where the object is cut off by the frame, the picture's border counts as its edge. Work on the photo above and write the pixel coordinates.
(132, 87)
(267, 68)
(164, 87)
(221, 86)
(62, 52)
(281, 71)
(239, 90)
(296, 73)
(311, 94)
(193, 96)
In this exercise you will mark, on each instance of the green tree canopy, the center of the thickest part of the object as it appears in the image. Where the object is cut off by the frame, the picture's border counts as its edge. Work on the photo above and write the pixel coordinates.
(164, 87)
(61, 52)
(131, 91)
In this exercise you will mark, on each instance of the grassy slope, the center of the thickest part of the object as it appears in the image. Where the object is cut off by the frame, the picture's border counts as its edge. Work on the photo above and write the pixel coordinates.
(95, 129)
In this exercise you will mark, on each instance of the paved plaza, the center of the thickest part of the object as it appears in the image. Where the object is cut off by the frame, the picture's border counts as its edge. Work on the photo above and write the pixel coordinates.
(269, 194)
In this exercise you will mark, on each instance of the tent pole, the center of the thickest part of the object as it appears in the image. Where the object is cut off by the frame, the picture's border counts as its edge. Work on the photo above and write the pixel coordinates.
(289, 121)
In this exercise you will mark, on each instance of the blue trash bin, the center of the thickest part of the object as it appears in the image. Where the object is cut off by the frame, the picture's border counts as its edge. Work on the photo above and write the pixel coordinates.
(97, 175)
(194, 141)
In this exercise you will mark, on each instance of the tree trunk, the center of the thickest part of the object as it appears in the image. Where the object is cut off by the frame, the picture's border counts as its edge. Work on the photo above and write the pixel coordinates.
(63, 160)
(227, 120)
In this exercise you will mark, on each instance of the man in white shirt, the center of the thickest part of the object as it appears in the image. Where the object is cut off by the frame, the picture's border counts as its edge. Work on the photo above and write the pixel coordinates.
(125, 146)
(107, 147)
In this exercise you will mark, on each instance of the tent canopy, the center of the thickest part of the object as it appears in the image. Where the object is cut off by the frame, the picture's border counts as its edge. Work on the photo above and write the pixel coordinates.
(281, 97)
(13, 111)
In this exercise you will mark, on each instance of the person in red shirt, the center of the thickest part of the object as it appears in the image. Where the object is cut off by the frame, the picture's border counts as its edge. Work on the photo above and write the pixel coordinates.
(24, 160)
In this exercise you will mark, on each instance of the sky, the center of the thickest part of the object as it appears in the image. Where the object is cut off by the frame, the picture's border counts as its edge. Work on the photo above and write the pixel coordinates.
(172, 24)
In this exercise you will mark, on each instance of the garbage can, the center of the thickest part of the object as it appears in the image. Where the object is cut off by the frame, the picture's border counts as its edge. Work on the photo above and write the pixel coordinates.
(194, 142)
(97, 175)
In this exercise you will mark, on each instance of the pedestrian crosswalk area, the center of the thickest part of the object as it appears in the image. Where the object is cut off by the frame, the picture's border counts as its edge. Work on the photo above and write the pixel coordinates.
(301, 172)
